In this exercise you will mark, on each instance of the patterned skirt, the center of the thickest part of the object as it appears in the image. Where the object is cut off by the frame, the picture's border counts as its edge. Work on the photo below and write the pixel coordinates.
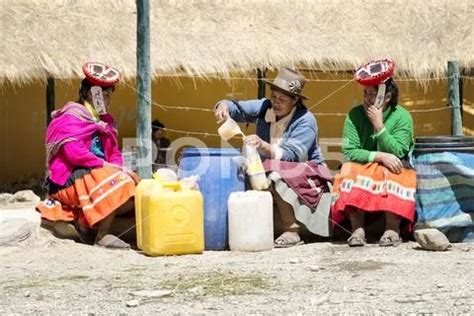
(90, 197)
(372, 188)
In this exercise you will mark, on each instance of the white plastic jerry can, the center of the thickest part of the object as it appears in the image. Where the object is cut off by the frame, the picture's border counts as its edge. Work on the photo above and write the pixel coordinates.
(250, 221)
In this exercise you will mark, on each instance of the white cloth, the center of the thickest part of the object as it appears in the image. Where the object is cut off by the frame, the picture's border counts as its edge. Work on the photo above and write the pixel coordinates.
(270, 116)
(277, 128)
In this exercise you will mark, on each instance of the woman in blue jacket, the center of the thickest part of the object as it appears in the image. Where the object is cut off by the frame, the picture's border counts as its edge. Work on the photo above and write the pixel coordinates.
(286, 131)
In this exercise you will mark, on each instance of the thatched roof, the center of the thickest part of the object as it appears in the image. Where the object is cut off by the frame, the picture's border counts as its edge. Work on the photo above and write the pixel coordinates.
(55, 37)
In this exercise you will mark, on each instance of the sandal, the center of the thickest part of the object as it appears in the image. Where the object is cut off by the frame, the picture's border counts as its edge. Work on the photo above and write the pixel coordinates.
(356, 240)
(112, 242)
(390, 238)
(288, 239)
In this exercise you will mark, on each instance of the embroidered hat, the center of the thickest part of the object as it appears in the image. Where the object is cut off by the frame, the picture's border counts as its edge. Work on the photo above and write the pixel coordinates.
(375, 72)
(99, 74)
(288, 81)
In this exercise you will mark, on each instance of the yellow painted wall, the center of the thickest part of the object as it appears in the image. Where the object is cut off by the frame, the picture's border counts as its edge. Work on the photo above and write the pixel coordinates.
(468, 107)
(23, 113)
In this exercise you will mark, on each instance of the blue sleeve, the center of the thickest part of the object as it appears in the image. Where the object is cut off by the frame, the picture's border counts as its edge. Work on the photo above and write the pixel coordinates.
(245, 111)
(301, 140)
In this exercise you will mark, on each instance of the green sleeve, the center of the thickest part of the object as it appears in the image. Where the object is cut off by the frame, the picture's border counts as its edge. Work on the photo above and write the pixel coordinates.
(351, 145)
(399, 141)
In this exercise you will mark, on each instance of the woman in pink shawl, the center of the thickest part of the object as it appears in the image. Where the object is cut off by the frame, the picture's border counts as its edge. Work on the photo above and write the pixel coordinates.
(87, 183)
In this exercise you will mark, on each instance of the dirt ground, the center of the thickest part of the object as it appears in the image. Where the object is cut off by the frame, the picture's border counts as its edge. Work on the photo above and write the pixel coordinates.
(51, 275)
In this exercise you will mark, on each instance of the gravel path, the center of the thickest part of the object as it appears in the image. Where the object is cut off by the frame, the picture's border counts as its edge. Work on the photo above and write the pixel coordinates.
(50, 275)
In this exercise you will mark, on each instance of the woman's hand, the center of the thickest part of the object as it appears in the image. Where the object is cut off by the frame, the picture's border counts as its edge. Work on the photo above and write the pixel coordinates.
(375, 116)
(253, 140)
(260, 144)
(391, 162)
(221, 111)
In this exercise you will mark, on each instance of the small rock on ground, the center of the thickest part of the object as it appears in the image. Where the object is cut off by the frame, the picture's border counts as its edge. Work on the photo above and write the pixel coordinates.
(432, 239)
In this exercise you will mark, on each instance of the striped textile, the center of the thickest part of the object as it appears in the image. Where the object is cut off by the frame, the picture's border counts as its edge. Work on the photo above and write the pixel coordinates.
(91, 198)
(372, 188)
(445, 193)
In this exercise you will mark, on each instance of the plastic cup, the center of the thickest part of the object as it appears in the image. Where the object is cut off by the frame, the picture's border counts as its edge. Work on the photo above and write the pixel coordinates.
(229, 129)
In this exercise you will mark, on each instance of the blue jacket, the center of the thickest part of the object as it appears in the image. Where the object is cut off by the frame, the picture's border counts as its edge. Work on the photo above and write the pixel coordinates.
(300, 138)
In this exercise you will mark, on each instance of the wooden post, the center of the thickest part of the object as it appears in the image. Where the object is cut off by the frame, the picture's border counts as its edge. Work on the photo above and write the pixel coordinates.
(143, 90)
(49, 99)
(261, 83)
(453, 95)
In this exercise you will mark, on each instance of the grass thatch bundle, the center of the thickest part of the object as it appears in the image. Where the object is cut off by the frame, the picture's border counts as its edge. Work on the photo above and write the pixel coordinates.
(55, 37)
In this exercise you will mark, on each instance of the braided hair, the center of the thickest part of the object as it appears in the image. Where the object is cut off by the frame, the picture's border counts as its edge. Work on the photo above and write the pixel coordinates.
(392, 88)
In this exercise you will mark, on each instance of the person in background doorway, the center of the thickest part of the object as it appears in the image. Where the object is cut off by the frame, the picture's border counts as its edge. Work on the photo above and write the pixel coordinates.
(161, 142)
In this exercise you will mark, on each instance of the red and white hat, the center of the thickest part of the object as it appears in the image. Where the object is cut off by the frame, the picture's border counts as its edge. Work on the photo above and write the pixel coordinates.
(375, 72)
(99, 74)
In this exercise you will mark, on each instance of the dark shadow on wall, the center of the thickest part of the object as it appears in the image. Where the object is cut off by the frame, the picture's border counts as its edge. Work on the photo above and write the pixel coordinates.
(32, 182)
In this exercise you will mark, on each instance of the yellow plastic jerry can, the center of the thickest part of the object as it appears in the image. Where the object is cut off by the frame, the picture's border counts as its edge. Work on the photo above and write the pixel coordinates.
(172, 220)
(143, 188)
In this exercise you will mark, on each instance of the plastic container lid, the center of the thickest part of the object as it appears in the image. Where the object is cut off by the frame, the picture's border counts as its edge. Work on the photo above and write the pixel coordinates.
(464, 144)
(444, 139)
(193, 151)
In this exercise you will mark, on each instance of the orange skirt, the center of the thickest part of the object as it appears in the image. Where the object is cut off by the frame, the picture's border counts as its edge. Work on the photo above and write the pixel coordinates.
(91, 198)
(372, 188)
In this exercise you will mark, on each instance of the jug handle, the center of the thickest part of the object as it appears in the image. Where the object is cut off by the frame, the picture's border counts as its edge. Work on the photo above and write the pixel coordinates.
(175, 186)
